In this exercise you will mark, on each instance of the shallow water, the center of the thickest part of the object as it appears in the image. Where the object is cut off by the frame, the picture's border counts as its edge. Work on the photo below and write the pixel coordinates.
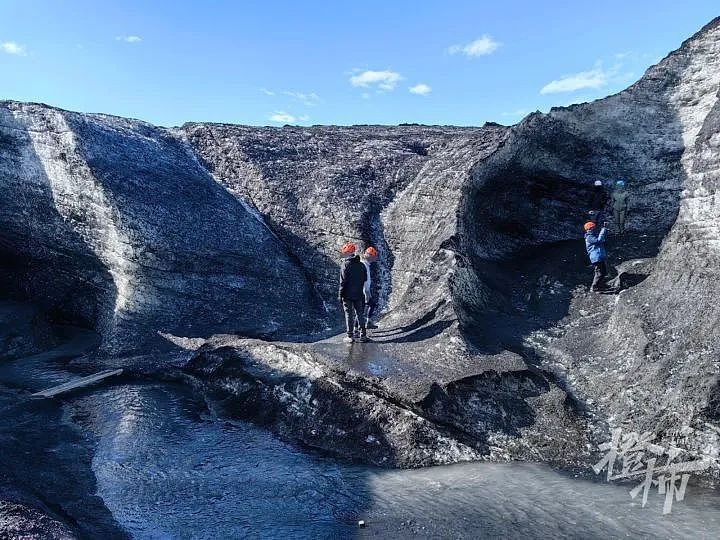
(166, 471)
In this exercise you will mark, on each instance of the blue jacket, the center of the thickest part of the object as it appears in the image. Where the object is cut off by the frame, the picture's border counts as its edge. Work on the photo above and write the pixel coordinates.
(595, 245)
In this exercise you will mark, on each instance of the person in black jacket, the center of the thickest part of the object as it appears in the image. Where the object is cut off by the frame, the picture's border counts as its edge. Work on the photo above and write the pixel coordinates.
(598, 201)
(353, 276)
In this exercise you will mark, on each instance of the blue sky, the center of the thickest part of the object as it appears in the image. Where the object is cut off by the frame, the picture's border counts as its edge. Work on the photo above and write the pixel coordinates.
(368, 62)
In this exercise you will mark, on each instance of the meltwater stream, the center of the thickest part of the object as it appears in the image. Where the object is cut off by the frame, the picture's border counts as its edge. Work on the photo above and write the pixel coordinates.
(165, 469)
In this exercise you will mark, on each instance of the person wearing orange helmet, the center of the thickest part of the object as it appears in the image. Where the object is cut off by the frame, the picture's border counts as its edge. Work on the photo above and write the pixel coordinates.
(353, 276)
(595, 247)
(369, 256)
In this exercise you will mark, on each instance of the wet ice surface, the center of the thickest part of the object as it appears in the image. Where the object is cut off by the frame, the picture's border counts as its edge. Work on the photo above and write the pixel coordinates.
(167, 471)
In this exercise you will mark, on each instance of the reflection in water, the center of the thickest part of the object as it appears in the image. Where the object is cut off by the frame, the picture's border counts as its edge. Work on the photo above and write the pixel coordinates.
(167, 472)
(175, 474)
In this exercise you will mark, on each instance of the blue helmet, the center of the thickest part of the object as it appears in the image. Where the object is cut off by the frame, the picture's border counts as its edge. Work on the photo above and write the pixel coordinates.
(619, 182)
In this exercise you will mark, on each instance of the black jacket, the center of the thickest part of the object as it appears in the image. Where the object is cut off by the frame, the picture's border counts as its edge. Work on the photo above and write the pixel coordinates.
(353, 275)
(598, 198)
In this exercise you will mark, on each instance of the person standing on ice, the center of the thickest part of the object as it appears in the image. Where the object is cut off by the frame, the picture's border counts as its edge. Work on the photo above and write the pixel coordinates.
(353, 275)
(595, 246)
(598, 200)
(369, 256)
(621, 205)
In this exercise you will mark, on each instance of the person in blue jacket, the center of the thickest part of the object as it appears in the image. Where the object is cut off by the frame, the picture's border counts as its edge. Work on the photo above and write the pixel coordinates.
(595, 246)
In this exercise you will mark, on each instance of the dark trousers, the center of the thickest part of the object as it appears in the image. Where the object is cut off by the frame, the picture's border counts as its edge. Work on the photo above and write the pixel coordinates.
(369, 308)
(354, 309)
(619, 215)
(600, 272)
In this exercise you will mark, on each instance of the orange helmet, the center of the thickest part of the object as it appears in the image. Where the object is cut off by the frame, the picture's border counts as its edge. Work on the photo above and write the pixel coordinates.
(371, 252)
(348, 249)
(589, 225)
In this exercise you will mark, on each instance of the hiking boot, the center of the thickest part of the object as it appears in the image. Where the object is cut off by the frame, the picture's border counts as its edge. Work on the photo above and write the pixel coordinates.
(348, 339)
(372, 326)
(364, 338)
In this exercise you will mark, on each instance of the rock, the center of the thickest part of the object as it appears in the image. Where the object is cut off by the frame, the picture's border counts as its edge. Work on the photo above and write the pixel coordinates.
(396, 188)
(309, 393)
(20, 521)
(302, 399)
(114, 223)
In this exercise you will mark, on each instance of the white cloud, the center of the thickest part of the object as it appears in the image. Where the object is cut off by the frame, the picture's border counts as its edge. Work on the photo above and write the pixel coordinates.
(614, 76)
(282, 117)
(384, 80)
(10, 47)
(421, 89)
(129, 39)
(595, 78)
(308, 99)
(480, 47)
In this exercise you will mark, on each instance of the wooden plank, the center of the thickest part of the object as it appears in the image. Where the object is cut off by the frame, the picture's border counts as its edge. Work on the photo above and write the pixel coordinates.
(79, 383)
